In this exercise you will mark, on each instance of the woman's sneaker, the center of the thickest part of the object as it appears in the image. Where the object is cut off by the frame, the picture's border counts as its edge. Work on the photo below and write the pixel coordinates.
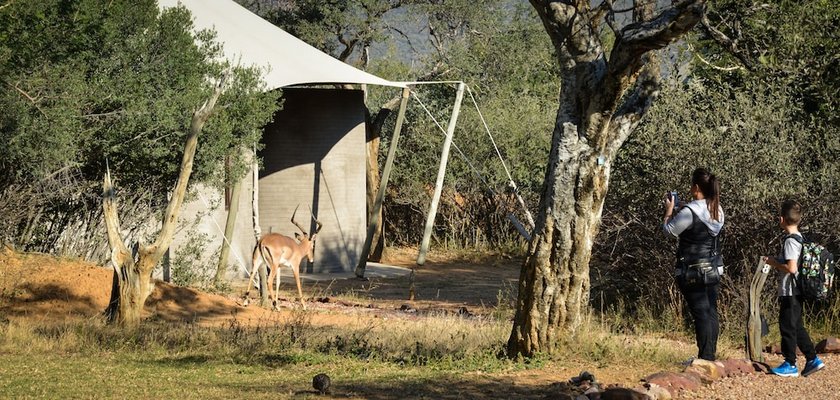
(813, 366)
(785, 369)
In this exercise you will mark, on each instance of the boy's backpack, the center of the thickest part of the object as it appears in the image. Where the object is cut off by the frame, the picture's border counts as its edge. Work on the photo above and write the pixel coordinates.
(815, 275)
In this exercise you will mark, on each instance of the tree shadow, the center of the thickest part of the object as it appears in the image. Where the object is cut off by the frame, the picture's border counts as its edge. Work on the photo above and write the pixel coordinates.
(48, 298)
(172, 303)
(421, 388)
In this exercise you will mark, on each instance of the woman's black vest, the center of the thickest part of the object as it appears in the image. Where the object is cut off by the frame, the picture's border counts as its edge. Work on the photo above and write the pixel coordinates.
(697, 243)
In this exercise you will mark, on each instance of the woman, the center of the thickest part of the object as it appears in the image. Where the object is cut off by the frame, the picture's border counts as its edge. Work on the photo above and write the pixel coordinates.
(699, 225)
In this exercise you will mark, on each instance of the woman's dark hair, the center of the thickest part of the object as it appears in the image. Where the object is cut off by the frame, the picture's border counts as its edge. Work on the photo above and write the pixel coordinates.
(710, 187)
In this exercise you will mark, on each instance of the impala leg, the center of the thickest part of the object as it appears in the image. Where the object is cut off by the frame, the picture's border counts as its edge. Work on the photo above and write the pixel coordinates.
(297, 282)
(256, 260)
(271, 293)
(277, 286)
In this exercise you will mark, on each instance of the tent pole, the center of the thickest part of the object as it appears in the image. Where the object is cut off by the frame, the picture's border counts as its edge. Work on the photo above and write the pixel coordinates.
(255, 209)
(444, 158)
(383, 184)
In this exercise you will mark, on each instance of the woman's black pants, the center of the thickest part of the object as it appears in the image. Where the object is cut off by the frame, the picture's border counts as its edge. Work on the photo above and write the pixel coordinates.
(702, 303)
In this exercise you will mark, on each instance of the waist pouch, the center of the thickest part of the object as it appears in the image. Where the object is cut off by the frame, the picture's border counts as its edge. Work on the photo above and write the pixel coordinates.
(698, 274)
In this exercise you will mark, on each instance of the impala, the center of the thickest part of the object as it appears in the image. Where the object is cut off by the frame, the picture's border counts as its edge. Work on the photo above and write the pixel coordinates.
(275, 250)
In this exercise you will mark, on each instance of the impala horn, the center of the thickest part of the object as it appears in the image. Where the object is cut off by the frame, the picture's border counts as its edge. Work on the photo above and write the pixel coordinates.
(297, 224)
(317, 223)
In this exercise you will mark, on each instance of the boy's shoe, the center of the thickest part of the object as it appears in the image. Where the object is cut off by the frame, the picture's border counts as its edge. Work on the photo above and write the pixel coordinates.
(813, 366)
(785, 369)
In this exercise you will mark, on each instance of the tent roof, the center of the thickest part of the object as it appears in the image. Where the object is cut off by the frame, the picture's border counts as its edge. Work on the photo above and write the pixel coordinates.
(252, 41)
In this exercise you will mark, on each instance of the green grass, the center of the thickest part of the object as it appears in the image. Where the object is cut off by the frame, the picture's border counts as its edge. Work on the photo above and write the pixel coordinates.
(143, 376)
(433, 357)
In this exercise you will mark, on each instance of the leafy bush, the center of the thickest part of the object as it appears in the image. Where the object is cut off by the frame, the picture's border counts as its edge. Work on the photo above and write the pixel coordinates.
(87, 83)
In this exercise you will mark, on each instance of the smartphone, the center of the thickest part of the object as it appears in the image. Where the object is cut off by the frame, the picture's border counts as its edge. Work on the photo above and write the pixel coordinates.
(673, 196)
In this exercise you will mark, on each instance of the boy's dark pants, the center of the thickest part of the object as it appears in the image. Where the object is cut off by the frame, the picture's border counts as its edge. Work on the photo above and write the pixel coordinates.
(702, 303)
(793, 330)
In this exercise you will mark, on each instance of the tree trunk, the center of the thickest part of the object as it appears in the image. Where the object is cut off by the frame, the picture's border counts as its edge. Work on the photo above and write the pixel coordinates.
(130, 288)
(374, 133)
(230, 225)
(372, 178)
(554, 281)
(133, 269)
(596, 114)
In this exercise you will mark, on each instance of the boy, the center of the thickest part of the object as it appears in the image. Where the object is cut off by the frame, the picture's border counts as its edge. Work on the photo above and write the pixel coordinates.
(790, 302)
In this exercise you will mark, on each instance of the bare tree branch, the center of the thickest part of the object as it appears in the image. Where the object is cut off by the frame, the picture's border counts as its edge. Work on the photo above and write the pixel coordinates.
(119, 252)
(23, 93)
(704, 61)
(640, 37)
(349, 46)
(628, 116)
(170, 219)
(574, 38)
(728, 44)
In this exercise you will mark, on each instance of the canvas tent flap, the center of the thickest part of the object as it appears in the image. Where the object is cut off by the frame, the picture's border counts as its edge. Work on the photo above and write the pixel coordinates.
(249, 40)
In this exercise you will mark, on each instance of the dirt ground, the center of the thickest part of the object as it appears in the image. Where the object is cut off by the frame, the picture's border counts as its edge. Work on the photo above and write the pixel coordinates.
(46, 289)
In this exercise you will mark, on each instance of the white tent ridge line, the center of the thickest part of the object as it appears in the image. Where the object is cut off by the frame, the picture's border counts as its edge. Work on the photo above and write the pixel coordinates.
(284, 59)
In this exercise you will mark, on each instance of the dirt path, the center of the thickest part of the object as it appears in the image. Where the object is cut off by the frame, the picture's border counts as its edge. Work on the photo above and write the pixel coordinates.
(823, 385)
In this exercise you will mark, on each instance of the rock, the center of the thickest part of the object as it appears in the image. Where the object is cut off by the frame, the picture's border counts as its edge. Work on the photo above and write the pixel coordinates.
(408, 308)
(655, 392)
(583, 377)
(829, 345)
(775, 348)
(623, 394)
(674, 382)
(761, 367)
(321, 383)
(737, 367)
(593, 389)
(707, 371)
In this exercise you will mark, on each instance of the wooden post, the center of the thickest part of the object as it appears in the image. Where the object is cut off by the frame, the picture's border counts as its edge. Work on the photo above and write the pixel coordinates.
(255, 208)
(255, 194)
(166, 261)
(444, 158)
(754, 319)
(230, 224)
(373, 221)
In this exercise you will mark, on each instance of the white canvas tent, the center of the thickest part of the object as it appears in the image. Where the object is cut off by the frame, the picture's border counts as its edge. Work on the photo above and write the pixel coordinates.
(286, 61)
(252, 41)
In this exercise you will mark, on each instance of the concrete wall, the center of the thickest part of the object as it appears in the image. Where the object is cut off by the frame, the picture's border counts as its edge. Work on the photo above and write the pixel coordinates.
(203, 219)
(314, 156)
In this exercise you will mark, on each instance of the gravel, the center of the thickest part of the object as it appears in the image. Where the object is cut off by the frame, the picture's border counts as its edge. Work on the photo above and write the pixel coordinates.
(822, 385)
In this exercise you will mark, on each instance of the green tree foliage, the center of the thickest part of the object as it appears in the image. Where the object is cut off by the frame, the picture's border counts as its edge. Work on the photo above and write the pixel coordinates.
(90, 81)
(768, 129)
(516, 93)
(343, 28)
